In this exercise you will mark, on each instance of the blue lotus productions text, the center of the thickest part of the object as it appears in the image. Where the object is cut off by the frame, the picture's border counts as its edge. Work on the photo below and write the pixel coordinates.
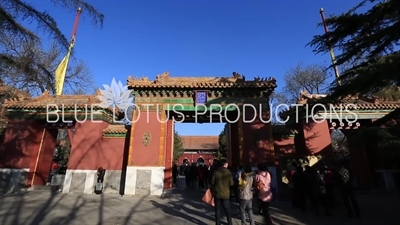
(216, 113)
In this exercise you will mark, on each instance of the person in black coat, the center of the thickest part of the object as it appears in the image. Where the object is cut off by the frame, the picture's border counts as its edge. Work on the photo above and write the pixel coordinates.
(174, 173)
(100, 174)
(300, 185)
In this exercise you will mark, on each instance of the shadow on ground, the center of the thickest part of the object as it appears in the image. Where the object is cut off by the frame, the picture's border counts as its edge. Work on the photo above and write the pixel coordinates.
(180, 207)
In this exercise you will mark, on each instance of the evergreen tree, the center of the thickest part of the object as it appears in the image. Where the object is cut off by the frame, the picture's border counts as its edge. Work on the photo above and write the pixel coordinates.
(368, 44)
(178, 146)
(221, 153)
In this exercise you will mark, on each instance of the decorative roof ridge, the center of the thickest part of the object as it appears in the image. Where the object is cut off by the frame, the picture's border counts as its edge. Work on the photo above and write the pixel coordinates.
(20, 95)
(305, 96)
(7, 101)
(58, 99)
(165, 78)
(46, 95)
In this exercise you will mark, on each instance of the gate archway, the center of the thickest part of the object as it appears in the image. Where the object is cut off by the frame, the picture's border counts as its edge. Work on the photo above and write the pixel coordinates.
(197, 100)
(143, 150)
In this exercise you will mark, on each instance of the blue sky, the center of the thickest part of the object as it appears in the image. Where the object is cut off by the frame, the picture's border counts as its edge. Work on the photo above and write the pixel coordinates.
(197, 38)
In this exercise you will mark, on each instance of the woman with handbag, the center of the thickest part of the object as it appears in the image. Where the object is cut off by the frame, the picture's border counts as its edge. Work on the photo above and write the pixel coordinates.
(246, 195)
(263, 179)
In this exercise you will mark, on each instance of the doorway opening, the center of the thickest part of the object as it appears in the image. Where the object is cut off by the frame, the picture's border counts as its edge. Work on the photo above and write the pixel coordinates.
(60, 157)
(204, 137)
(53, 155)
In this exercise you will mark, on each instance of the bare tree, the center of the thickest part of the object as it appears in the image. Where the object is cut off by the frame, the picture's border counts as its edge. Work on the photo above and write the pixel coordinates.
(315, 80)
(32, 68)
(311, 78)
(14, 12)
(23, 62)
(275, 100)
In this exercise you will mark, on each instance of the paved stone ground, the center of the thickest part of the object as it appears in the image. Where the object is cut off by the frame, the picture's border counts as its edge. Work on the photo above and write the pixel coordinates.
(181, 207)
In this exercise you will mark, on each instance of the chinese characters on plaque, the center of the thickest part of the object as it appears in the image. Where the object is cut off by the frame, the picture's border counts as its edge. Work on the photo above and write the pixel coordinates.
(200, 98)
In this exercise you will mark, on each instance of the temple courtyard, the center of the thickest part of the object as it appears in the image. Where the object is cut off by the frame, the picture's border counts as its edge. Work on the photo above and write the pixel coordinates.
(180, 206)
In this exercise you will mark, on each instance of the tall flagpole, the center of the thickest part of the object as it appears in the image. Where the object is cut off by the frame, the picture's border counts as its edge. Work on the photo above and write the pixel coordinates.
(335, 68)
(62, 68)
(78, 15)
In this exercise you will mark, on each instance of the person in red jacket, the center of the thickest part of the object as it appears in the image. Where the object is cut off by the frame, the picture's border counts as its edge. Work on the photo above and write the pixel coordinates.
(54, 166)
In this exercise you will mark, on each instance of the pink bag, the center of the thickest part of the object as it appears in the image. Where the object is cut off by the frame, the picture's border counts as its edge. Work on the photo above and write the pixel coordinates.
(208, 198)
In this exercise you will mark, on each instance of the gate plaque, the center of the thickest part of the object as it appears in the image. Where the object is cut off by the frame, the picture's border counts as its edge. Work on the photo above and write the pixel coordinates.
(200, 97)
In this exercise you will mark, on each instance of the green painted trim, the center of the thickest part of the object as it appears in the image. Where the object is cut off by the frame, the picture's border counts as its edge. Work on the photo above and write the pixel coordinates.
(235, 100)
(163, 100)
(222, 100)
(169, 88)
(201, 108)
(180, 107)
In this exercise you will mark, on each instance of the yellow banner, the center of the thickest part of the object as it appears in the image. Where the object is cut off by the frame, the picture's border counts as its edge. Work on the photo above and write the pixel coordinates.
(62, 70)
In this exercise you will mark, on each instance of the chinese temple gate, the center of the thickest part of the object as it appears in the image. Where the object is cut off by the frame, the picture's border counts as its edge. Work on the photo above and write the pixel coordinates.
(248, 142)
(314, 138)
(137, 157)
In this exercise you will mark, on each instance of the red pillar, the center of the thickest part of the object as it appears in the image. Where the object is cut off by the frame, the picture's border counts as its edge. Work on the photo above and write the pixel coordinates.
(234, 152)
(169, 154)
(258, 146)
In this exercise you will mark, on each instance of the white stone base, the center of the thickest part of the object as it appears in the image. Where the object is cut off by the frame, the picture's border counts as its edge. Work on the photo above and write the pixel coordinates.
(90, 179)
(15, 178)
(156, 179)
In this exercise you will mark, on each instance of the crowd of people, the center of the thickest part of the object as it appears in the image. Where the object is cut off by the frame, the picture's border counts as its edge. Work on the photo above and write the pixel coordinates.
(318, 186)
(196, 175)
(315, 186)
(228, 184)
